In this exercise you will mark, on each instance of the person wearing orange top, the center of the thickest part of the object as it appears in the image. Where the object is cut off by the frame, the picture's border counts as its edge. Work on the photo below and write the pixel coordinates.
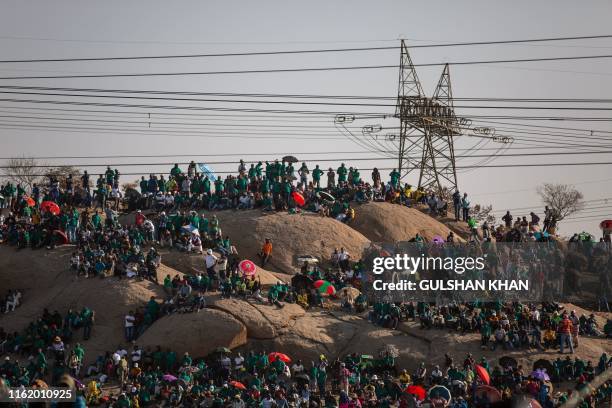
(266, 251)
(565, 330)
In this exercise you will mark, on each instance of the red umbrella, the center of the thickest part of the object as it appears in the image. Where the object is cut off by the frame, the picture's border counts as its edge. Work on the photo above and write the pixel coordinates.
(280, 356)
(30, 201)
(492, 394)
(298, 198)
(417, 391)
(483, 374)
(325, 287)
(247, 267)
(51, 207)
(237, 384)
(63, 239)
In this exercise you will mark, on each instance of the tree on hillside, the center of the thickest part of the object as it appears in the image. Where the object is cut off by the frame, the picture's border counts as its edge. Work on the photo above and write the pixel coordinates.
(22, 170)
(562, 199)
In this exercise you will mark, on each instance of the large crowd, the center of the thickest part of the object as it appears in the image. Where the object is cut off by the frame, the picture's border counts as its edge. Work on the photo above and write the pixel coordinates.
(167, 213)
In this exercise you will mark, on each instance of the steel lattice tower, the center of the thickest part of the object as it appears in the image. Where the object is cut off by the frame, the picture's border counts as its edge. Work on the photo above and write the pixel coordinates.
(427, 127)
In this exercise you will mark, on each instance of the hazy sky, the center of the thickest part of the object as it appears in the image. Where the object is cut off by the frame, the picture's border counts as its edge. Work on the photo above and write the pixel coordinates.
(64, 29)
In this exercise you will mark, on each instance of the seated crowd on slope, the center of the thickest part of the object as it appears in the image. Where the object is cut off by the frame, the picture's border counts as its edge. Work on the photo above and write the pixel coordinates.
(161, 377)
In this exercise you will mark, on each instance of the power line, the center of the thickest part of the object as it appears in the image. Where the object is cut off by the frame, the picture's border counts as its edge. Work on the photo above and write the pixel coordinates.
(582, 108)
(312, 51)
(311, 69)
(298, 96)
(362, 115)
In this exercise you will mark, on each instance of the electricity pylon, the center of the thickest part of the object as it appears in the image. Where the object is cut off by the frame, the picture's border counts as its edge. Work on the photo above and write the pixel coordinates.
(427, 127)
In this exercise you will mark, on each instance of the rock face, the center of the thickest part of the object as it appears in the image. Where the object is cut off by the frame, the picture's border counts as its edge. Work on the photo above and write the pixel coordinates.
(291, 235)
(197, 333)
(385, 222)
(47, 282)
(258, 326)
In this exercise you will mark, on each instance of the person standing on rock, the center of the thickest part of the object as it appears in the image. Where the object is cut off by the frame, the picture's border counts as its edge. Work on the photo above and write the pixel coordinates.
(210, 260)
(266, 252)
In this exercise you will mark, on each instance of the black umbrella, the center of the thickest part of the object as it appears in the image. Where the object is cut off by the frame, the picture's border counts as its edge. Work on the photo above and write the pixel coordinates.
(290, 159)
(302, 377)
(543, 364)
(507, 361)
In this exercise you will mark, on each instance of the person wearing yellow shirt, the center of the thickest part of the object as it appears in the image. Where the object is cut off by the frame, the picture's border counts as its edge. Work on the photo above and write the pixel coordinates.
(404, 377)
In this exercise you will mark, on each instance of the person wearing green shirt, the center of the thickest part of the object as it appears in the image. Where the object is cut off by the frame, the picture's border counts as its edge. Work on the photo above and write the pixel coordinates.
(316, 176)
(175, 171)
(356, 177)
(252, 173)
(395, 178)
(342, 173)
(219, 186)
(264, 186)
(96, 220)
(243, 183)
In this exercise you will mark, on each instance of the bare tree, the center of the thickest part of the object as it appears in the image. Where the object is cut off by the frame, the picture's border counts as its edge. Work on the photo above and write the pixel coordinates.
(562, 199)
(61, 173)
(22, 170)
(483, 213)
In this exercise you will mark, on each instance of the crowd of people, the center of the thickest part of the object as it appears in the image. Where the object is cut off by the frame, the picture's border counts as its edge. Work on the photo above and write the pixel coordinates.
(167, 214)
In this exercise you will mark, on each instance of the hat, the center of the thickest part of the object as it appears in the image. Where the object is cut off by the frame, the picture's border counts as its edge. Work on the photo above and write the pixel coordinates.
(209, 251)
(57, 339)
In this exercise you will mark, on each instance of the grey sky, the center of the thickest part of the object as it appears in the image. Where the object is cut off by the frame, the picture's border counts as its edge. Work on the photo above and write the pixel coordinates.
(42, 29)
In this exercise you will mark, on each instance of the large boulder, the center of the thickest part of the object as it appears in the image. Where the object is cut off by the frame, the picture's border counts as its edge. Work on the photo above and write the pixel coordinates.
(291, 234)
(199, 333)
(386, 222)
(257, 324)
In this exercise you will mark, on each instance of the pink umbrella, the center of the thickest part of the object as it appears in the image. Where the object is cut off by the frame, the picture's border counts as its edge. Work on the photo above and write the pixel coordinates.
(169, 378)
(248, 268)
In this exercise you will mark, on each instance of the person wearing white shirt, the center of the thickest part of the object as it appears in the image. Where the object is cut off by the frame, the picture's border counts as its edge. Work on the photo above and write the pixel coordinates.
(129, 326)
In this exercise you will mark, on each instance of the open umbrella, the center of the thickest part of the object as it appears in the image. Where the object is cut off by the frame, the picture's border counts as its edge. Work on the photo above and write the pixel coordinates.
(302, 377)
(439, 391)
(298, 198)
(238, 384)
(543, 364)
(507, 361)
(61, 237)
(247, 267)
(279, 356)
(349, 291)
(51, 207)
(417, 391)
(488, 393)
(222, 350)
(483, 374)
(326, 196)
(438, 240)
(207, 171)
(540, 374)
(189, 228)
(29, 201)
(290, 159)
(325, 287)
(169, 378)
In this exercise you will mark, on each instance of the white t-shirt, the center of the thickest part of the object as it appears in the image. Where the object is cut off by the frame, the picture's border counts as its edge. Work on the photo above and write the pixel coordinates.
(210, 260)
(129, 320)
